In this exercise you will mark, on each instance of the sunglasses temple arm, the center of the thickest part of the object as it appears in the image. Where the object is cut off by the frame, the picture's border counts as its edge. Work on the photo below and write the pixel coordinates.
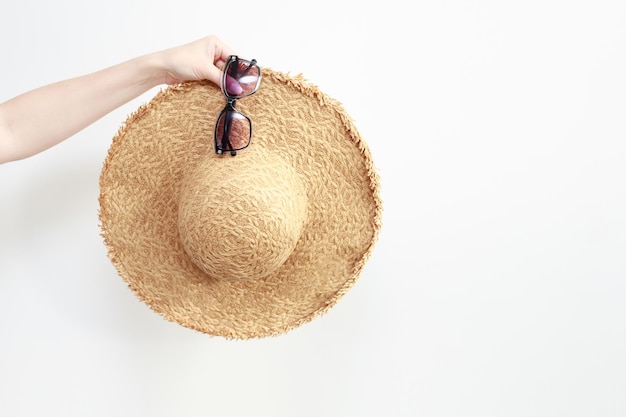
(252, 64)
(228, 124)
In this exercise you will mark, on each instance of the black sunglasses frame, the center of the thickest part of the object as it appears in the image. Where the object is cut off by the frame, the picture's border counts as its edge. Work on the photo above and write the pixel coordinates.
(229, 109)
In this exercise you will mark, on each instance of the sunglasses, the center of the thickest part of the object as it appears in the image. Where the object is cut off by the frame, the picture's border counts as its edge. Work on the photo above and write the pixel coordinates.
(233, 129)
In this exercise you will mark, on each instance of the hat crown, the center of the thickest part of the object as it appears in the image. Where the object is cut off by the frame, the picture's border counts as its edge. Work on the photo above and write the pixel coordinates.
(240, 218)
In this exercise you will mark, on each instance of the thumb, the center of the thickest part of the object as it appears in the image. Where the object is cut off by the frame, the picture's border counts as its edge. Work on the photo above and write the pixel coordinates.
(233, 86)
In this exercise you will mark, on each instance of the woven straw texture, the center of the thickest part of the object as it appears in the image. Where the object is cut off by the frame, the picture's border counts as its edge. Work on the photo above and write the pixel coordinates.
(247, 246)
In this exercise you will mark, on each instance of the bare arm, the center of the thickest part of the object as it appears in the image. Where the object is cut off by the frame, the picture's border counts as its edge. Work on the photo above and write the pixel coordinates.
(44, 117)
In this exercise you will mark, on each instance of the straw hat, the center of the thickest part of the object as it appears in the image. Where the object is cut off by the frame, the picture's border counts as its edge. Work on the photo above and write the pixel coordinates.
(247, 246)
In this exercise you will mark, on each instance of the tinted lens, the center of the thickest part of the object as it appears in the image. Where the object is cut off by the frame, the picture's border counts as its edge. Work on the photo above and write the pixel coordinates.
(242, 78)
(233, 131)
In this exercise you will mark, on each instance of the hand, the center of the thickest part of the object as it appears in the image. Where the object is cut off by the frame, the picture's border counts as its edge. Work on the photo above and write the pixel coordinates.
(41, 118)
(198, 60)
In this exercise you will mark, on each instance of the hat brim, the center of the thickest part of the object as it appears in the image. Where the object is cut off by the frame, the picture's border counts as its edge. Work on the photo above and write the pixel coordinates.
(166, 138)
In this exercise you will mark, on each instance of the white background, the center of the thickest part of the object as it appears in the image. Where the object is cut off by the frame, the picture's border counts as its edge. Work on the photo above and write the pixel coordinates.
(498, 284)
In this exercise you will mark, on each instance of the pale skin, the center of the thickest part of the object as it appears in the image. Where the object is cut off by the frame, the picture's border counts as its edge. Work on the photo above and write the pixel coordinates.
(41, 118)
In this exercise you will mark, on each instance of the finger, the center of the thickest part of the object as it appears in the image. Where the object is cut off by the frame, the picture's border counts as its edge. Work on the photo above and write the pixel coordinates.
(218, 50)
(219, 53)
(224, 52)
(232, 86)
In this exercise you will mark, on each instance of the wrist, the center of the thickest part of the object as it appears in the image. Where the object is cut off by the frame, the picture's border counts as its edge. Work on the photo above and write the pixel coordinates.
(162, 68)
(154, 69)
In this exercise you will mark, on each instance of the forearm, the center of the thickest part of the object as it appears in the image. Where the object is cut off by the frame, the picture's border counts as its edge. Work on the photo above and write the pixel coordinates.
(41, 118)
